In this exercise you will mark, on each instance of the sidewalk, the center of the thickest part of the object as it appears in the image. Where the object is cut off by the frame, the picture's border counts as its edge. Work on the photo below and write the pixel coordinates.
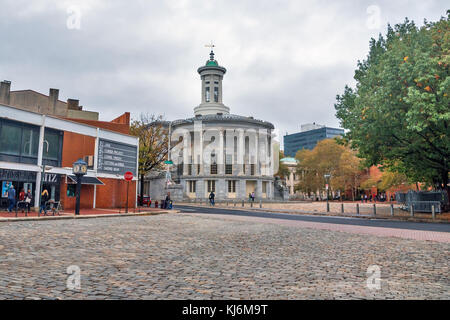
(319, 208)
(84, 214)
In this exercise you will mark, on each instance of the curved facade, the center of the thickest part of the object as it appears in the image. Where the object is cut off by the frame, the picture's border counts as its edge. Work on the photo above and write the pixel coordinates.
(228, 154)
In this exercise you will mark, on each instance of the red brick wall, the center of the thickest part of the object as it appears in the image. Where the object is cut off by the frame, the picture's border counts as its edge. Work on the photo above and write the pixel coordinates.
(86, 198)
(76, 146)
(120, 124)
(114, 193)
(111, 195)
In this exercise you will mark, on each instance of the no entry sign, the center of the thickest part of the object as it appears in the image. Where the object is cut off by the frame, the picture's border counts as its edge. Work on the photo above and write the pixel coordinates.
(128, 175)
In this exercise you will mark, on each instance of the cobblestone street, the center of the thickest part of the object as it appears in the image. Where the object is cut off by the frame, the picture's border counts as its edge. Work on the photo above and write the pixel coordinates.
(189, 256)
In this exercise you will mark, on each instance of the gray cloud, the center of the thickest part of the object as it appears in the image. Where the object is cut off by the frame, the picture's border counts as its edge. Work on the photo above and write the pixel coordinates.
(286, 60)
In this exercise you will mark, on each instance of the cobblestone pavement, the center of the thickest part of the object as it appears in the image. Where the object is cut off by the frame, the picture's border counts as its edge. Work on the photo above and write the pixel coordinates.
(188, 256)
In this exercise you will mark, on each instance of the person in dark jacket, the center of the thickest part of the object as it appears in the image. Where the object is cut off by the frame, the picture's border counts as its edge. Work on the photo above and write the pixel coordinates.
(11, 198)
(167, 201)
(211, 198)
(44, 199)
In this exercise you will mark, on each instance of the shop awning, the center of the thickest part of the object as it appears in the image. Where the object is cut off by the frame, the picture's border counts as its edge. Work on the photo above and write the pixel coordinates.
(85, 180)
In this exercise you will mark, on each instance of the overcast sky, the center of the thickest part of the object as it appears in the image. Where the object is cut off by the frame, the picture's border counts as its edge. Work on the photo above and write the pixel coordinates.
(285, 60)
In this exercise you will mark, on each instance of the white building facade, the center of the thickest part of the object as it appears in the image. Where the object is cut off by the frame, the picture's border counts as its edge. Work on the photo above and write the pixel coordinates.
(219, 152)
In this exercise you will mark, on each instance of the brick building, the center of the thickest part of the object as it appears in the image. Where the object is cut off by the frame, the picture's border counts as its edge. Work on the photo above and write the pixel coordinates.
(37, 148)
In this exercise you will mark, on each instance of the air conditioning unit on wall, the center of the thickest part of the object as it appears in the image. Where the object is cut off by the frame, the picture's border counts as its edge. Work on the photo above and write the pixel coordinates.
(90, 161)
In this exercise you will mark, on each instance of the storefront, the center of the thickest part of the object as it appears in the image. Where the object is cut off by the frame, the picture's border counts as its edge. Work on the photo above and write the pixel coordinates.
(37, 152)
(19, 179)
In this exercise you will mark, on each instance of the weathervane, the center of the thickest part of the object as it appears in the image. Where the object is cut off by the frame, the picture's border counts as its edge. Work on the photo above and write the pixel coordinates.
(211, 45)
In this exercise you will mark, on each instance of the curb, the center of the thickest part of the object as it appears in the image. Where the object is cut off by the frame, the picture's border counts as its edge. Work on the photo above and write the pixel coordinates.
(93, 216)
(395, 218)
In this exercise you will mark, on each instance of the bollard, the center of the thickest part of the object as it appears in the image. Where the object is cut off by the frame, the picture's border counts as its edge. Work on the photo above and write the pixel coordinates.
(412, 209)
(374, 209)
(392, 210)
(260, 203)
(251, 204)
(227, 203)
(357, 208)
(433, 212)
(242, 203)
(342, 208)
(234, 202)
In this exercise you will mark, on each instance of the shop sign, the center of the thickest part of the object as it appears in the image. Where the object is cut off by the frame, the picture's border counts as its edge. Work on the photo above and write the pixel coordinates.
(17, 175)
(116, 158)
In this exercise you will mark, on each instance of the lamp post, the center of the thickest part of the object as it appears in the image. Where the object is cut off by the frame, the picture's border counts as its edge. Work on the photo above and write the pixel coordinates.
(327, 178)
(79, 169)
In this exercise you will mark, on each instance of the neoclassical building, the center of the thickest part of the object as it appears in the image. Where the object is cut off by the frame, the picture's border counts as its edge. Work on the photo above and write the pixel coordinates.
(217, 151)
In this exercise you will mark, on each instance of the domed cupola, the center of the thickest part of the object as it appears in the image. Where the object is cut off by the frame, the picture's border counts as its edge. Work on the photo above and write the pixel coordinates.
(211, 75)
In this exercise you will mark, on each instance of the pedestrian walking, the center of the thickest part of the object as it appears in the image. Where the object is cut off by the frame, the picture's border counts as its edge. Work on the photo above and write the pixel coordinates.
(44, 199)
(211, 198)
(11, 197)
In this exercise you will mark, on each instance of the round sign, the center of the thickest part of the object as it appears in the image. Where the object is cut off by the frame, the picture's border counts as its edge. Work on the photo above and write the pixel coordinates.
(128, 175)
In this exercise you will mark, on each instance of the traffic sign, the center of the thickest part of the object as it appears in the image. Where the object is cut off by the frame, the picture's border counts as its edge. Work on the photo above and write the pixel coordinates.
(128, 175)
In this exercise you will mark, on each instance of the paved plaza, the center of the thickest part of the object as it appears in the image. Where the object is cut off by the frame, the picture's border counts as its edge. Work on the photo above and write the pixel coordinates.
(200, 256)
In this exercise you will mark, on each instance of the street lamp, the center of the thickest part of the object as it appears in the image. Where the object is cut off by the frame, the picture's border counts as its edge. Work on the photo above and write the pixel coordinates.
(327, 178)
(79, 169)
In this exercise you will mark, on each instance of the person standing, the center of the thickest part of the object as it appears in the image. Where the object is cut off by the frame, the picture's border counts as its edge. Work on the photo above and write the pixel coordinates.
(21, 202)
(211, 198)
(253, 196)
(44, 199)
(167, 201)
(28, 199)
(11, 198)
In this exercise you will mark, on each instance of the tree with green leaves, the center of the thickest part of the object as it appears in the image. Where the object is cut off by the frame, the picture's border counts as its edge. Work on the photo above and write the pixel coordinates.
(398, 115)
(153, 145)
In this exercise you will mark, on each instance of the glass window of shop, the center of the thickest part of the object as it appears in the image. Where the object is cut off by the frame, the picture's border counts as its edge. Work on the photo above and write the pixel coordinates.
(52, 147)
(18, 142)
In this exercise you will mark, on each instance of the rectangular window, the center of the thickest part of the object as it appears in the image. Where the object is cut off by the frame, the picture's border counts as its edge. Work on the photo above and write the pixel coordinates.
(207, 94)
(211, 185)
(198, 169)
(216, 94)
(189, 169)
(214, 169)
(192, 186)
(252, 169)
(51, 145)
(10, 137)
(264, 187)
(30, 142)
(228, 169)
(231, 186)
(71, 190)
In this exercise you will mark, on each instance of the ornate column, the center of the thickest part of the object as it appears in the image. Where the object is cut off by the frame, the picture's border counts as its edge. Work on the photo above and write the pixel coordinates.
(185, 153)
(220, 159)
(240, 155)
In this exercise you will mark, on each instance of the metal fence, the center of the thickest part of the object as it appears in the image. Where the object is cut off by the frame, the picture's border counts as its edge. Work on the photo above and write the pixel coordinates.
(423, 201)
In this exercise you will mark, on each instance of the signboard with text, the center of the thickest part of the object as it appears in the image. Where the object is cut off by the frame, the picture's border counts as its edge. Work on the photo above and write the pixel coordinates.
(116, 158)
